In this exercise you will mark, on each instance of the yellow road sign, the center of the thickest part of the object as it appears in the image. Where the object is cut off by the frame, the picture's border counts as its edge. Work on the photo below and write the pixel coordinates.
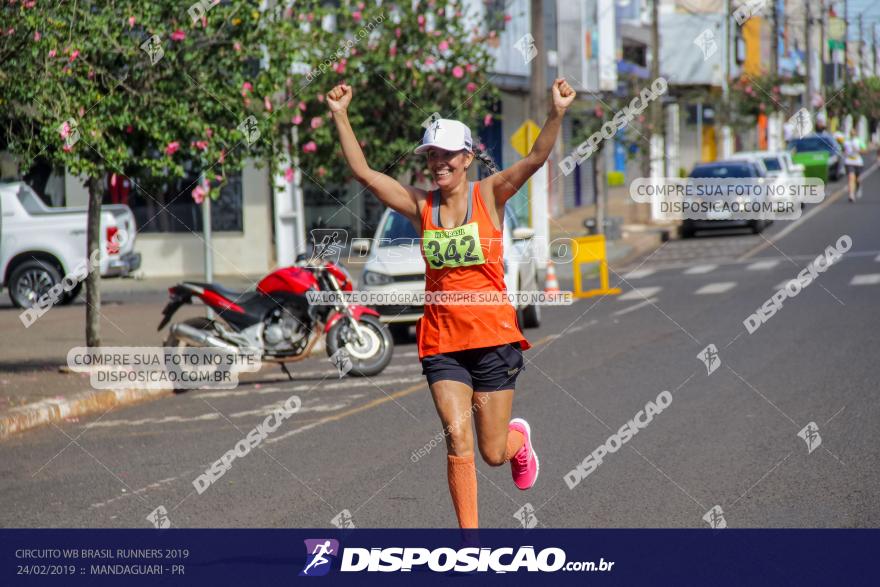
(524, 137)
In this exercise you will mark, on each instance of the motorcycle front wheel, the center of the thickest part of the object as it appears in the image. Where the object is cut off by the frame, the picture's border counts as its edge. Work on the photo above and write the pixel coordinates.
(369, 356)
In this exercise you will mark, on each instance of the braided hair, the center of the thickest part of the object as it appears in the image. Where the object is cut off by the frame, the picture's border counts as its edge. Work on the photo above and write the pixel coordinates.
(483, 157)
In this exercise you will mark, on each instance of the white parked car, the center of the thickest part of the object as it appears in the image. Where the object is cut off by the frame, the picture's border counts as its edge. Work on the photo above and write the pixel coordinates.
(40, 245)
(778, 163)
(779, 166)
(395, 264)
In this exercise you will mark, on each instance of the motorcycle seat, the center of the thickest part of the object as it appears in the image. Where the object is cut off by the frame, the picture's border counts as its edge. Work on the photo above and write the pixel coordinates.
(230, 294)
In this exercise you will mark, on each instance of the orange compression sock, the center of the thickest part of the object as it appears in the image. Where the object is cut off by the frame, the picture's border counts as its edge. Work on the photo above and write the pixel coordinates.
(462, 474)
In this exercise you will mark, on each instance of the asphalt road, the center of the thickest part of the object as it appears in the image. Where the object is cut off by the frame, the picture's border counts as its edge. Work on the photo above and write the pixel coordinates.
(727, 440)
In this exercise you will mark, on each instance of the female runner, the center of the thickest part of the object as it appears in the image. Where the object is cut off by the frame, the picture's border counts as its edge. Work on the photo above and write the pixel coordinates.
(471, 354)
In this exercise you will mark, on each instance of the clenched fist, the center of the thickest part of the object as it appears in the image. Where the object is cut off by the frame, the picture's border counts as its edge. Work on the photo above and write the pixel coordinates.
(563, 95)
(339, 98)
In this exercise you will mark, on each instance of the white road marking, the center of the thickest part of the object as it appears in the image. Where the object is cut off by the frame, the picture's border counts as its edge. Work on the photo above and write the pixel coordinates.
(700, 269)
(716, 288)
(762, 265)
(636, 307)
(155, 485)
(639, 273)
(640, 293)
(868, 279)
(336, 384)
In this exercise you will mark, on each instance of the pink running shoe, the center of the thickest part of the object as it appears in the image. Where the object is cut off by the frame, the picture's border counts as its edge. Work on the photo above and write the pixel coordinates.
(524, 464)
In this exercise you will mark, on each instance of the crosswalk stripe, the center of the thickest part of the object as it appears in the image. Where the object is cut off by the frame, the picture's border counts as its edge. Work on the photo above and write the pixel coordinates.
(868, 279)
(639, 273)
(699, 269)
(762, 265)
(640, 293)
(716, 288)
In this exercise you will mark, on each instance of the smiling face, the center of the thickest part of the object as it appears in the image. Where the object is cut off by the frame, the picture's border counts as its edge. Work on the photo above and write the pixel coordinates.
(449, 168)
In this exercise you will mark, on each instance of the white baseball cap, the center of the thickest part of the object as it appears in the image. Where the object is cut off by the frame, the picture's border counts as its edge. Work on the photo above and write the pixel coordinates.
(449, 135)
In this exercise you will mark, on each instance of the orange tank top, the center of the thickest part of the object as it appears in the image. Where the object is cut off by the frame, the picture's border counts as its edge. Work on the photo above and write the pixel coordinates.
(466, 259)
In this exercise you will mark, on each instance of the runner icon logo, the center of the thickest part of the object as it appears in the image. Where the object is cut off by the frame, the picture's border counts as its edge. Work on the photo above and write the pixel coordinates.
(320, 555)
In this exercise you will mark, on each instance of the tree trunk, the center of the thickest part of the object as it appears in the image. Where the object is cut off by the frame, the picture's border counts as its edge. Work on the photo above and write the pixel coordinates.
(93, 280)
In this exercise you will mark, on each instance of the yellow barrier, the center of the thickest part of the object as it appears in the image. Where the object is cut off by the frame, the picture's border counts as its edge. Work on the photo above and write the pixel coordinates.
(591, 249)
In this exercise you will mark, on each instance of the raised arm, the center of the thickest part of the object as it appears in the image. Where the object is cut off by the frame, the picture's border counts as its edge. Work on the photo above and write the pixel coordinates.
(506, 183)
(389, 191)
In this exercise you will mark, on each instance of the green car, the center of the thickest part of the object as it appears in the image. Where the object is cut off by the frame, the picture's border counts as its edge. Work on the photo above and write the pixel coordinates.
(820, 156)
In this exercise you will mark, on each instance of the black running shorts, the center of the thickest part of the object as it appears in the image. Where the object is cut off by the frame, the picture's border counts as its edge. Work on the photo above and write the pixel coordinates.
(484, 369)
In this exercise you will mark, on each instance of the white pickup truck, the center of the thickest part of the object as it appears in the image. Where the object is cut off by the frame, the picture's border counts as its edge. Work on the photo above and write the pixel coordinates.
(40, 245)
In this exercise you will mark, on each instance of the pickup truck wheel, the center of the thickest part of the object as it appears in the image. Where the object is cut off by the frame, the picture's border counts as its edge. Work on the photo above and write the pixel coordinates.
(30, 281)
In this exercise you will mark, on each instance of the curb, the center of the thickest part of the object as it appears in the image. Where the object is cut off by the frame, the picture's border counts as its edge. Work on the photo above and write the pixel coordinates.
(84, 403)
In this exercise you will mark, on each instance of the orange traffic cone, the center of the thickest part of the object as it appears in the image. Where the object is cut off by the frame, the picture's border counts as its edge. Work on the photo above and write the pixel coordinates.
(551, 284)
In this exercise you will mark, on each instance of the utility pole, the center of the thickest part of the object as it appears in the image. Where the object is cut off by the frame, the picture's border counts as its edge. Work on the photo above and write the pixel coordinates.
(874, 47)
(538, 77)
(845, 41)
(774, 38)
(862, 45)
(656, 105)
(823, 17)
(809, 54)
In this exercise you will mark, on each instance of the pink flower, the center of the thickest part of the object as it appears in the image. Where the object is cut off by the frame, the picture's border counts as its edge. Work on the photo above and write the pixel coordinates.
(297, 120)
(37, 36)
(267, 104)
(321, 171)
(320, 97)
(393, 51)
(487, 120)
(237, 47)
(172, 148)
(471, 87)
(507, 18)
(74, 55)
(64, 130)
(178, 35)
(222, 157)
(310, 17)
(421, 19)
(310, 147)
(67, 148)
(198, 194)
(129, 129)
(443, 46)
(356, 15)
(246, 87)
(316, 122)
(53, 53)
(201, 145)
(301, 106)
(131, 21)
(397, 32)
(470, 68)
(91, 73)
(288, 175)
(429, 61)
(209, 133)
(82, 111)
(340, 67)
(457, 72)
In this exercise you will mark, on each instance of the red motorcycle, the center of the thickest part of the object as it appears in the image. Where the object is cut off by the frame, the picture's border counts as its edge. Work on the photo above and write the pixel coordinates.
(278, 319)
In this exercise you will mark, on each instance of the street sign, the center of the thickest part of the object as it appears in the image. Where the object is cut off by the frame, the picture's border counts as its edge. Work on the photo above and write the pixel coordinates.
(524, 137)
